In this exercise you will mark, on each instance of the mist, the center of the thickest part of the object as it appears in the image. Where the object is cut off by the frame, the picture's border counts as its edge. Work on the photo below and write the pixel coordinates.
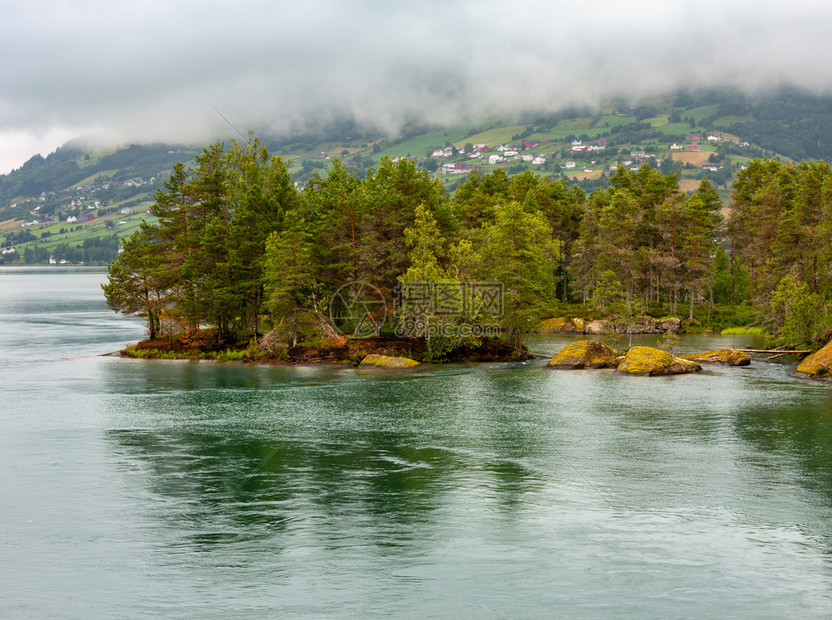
(159, 71)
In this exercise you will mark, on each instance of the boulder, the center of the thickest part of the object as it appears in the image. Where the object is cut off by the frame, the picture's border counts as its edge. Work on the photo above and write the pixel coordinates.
(577, 325)
(652, 362)
(648, 325)
(561, 325)
(672, 325)
(583, 354)
(727, 357)
(818, 364)
(596, 327)
(386, 361)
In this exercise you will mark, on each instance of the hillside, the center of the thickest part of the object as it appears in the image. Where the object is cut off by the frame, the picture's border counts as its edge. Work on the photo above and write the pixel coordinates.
(75, 204)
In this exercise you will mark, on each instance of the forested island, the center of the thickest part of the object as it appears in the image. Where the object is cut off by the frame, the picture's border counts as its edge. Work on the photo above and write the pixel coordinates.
(243, 261)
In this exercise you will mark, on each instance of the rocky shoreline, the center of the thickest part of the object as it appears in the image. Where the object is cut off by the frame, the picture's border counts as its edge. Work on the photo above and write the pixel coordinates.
(409, 353)
(576, 325)
(335, 351)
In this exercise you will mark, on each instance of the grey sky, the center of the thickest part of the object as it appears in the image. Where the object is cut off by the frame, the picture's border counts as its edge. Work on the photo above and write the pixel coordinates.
(152, 70)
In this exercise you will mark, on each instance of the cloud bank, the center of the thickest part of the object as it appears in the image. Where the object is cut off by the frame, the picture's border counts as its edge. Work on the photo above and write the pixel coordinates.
(158, 71)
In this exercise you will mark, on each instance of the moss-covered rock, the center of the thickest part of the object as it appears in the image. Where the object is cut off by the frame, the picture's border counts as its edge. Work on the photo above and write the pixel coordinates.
(727, 357)
(652, 362)
(386, 361)
(550, 326)
(576, 325)
(583, 354)
(818, 364)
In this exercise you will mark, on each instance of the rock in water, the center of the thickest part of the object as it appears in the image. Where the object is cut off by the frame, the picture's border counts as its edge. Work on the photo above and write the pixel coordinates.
(818, 364)
(652, 362)
(386, 361)
(727, 357)
(583, 354)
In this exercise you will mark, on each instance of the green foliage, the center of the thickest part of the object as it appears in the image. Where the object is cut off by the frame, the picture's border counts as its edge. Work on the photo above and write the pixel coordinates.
(519, 251)
(796, 315)
(237, 245)
(608, 294)
(742, 331)
(668, 342)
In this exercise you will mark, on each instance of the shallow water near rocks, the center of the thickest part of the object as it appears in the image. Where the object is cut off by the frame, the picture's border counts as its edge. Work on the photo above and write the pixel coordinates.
(182, 489)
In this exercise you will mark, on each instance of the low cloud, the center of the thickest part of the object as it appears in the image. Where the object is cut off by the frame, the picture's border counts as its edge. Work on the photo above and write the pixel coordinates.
(160, 71)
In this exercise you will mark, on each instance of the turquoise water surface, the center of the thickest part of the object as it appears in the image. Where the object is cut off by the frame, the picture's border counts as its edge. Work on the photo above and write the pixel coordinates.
(193, 489)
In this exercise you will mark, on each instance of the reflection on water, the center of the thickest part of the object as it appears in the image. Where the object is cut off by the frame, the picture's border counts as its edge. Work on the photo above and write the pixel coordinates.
(507, 490)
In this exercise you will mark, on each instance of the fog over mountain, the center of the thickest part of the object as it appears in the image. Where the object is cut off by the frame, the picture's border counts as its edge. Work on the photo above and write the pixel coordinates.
(160, 71)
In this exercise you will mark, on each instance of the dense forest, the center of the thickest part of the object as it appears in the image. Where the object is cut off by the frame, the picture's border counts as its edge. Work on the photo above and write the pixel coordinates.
(240, 249)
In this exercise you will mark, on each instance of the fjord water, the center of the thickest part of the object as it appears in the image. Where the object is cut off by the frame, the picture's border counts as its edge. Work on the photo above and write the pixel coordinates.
(181, 489)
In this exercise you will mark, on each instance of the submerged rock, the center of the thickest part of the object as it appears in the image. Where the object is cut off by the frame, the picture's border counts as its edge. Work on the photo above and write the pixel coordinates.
(652, 362)
(727, 357)
(818, 364)
(583, 354)
(386, 361)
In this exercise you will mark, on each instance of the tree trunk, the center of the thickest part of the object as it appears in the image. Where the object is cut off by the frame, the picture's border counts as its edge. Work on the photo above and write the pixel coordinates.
(692, 294)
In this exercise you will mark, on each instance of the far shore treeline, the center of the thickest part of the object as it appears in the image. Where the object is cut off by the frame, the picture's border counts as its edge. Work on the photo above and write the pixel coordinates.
(239, 249)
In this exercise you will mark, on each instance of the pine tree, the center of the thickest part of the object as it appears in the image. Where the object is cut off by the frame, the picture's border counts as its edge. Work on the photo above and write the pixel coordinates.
(519, 252)
(289, 273)
(135, 278)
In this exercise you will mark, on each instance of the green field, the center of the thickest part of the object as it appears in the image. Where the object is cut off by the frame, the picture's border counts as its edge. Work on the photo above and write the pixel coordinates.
(104, 174)
(701, 112)
(617, 120)
(675, 129)
(493, 137)
(417, 146)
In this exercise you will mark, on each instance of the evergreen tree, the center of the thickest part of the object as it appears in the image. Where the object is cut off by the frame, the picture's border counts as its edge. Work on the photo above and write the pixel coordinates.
(290, 274)
(134, 283)
(519, 252)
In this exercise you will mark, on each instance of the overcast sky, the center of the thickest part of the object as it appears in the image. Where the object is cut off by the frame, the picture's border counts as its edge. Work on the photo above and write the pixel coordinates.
(158, 70)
